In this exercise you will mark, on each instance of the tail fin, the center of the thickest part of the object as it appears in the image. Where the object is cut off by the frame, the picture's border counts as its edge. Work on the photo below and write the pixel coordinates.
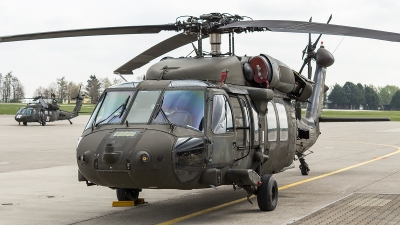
(79, 100)
(314, 108)
(78, 105)
(310, 123)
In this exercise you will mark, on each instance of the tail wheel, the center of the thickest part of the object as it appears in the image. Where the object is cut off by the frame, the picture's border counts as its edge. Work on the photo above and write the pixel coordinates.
(304, 170)
(267, 193)
(124, 194)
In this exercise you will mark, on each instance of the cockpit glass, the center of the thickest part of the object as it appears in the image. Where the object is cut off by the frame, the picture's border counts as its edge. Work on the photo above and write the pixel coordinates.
(143, 106)
(182, 108)
(111, 108)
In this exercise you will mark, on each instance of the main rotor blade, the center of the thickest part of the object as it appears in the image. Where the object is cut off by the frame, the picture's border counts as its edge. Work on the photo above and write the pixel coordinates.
(318, 28)
(146, 29)
(157, 50)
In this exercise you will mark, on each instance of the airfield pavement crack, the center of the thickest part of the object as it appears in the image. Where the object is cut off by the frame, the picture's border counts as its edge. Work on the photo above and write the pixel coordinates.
(376, 181)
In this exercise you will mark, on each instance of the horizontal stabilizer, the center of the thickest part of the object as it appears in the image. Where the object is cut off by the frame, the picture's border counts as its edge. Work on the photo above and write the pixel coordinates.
(353, 119)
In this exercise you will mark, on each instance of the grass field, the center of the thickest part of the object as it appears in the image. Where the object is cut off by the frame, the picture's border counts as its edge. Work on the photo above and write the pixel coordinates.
(12, 108)
(393, 115)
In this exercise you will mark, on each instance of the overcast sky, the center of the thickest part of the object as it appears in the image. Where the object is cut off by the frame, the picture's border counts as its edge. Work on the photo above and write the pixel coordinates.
(38, 63)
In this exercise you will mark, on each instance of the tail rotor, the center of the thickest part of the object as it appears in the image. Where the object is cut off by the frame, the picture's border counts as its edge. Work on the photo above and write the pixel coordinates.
(310, 51)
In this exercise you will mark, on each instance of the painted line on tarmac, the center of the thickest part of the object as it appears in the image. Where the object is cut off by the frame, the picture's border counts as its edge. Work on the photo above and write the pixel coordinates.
(202, 212)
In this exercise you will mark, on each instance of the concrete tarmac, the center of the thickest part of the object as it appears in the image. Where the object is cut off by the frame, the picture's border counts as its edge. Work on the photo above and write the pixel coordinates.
(38, 180)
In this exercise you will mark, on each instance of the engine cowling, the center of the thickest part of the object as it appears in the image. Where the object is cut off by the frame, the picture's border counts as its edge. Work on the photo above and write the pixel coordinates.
(265, 71)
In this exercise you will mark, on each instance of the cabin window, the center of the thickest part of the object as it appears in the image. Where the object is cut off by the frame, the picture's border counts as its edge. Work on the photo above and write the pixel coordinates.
(221, 120)
(183, 108)
(143, 106)
(283, 122)
(111, 108)
(246, 113)
(271, 120)
(255, 123)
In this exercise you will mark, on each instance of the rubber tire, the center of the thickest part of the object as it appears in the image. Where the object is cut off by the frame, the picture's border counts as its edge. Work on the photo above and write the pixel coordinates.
(43, 123)
(267, 193)
(304, 170)
(25, 123)
(124, 194)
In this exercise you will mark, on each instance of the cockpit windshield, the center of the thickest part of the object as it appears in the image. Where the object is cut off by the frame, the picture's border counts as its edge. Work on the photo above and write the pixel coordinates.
(143, 106)
(179, 107)
(111, 108)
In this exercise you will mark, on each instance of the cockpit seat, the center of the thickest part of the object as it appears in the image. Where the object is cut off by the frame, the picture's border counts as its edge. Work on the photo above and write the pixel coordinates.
(180, 117)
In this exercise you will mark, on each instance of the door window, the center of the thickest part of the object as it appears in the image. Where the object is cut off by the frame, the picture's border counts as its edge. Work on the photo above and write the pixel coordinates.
(221, 120)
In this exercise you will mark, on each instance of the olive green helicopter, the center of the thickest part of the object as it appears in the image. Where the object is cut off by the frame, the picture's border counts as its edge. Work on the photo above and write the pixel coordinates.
(43, 112)
(206, 120)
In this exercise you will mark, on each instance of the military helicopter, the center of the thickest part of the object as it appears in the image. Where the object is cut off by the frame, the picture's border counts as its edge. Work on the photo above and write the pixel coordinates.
(209, 120)
(43, 112)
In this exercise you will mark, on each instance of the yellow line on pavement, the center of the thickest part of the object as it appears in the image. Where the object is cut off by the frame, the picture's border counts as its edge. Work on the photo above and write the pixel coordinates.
(179, 219)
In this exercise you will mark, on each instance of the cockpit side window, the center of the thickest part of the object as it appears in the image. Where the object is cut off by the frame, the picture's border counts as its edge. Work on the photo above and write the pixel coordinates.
(221, 120)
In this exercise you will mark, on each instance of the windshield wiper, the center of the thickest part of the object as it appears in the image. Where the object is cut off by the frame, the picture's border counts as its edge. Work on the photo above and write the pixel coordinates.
(124, 106)
(160, 110)
(113, 113)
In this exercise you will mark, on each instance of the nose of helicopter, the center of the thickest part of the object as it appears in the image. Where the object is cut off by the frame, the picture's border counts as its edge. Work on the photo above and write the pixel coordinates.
(126, 158)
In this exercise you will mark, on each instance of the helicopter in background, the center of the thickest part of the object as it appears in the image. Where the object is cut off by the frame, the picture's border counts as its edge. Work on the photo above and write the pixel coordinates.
(43, 112)
(209, 120)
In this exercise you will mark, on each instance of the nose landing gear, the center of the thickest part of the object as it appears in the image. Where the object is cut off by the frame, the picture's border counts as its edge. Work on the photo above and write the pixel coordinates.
(124, 194)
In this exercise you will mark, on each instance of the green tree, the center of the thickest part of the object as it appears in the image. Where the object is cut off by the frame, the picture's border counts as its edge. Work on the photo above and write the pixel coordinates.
(361, 92)
(353, 94)
(395, 102)
(93, 88)
(386, 93)
(371, 97)
(338, 96)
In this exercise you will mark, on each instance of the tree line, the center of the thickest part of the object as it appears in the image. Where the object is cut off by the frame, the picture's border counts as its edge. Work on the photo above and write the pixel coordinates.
(358, 96)
(11, 89)
(66, 90)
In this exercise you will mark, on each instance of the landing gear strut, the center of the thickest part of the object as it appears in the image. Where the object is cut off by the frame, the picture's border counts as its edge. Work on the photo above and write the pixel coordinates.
(70, 122)
(124, 194)
(304, 167)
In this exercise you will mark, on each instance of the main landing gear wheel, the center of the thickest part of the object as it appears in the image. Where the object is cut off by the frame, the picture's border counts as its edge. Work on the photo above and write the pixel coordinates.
(25, 123)
(267, 193)
(124, 194)
(42, 119)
